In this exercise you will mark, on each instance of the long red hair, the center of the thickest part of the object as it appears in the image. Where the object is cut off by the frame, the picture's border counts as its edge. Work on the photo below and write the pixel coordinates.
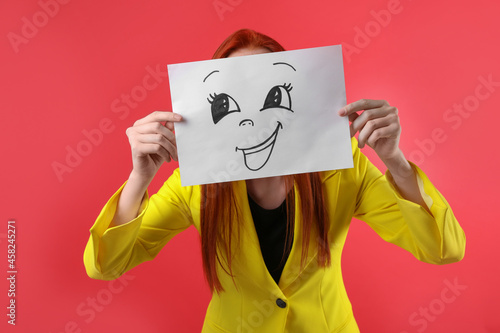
(219, 209)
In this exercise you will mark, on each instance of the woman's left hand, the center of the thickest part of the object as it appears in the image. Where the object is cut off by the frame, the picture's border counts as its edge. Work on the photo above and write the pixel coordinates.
(377, 124)
(378, 127)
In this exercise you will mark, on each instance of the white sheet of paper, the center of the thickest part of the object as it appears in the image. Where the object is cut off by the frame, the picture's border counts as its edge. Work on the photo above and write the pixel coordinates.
(260, 115)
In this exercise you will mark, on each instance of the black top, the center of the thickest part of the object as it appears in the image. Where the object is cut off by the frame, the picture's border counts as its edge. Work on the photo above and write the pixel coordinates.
(270, 225)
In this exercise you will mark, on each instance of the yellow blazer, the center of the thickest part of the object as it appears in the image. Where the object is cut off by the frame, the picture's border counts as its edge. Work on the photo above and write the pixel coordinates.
(309, 300)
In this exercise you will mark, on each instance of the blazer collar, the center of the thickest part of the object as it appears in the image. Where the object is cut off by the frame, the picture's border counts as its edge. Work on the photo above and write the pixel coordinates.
(252, 254)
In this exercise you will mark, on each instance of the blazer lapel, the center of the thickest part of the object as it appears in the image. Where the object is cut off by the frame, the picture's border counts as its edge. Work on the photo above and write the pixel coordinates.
(251, 254)
(292, 271)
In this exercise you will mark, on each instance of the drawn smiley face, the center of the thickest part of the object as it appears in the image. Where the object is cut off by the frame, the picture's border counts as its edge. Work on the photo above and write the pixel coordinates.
(278, 97)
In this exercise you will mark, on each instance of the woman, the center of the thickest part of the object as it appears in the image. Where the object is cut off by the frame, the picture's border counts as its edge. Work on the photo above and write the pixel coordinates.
(271, 247)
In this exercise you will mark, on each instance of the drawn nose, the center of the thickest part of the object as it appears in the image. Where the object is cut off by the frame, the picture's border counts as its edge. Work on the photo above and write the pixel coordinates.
(245, 122)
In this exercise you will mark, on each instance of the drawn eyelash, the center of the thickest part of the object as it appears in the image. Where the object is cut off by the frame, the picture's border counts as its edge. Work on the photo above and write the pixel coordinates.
(212, 96)
(279, 97)
(288, 87)
(221, 105)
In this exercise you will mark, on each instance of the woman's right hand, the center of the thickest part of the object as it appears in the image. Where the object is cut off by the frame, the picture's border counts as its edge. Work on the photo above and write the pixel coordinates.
(152, 142)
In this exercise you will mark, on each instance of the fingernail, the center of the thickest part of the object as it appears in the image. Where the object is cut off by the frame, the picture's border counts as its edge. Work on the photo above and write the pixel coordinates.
(177, 116)
(341, 112)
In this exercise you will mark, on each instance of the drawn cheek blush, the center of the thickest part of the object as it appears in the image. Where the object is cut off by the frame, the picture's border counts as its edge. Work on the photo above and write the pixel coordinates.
(257, 156)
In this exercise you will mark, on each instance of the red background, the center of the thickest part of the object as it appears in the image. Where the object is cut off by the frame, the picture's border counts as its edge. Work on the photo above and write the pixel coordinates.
(64, 76)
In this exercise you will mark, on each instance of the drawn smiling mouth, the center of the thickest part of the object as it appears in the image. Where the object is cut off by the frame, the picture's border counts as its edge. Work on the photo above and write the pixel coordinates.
(257, 156)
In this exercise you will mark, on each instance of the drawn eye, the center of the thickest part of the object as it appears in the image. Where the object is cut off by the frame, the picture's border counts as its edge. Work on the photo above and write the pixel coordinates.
(279, 97)
(222, 105)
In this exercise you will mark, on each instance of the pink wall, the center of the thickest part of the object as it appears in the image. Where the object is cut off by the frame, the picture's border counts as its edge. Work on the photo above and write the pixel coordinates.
(64, 74)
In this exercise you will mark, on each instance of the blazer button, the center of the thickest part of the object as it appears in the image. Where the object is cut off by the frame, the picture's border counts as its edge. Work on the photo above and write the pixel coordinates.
(281, 303)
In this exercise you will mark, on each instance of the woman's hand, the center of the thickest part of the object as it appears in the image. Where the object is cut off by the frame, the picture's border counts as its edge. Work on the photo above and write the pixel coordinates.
(377, 124)
(378, 127)
(152, 142)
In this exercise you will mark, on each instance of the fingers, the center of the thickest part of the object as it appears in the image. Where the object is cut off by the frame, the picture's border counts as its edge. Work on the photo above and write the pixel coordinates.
(361, 120)
(352, 118)
(152, 143)
(155, 128)
(160, 141)
(169, 125)
(376, 129)
(149, 136)
(159, 116)
(152, 150)
(360, 105)
(376, 120)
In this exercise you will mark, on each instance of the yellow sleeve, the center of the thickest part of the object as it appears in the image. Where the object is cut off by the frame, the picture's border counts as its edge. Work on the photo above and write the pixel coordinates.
(110, 252)
(436, 238)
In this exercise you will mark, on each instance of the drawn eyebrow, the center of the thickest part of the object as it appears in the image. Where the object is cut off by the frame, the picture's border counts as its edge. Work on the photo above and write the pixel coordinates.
(284, 63)
(206, 77)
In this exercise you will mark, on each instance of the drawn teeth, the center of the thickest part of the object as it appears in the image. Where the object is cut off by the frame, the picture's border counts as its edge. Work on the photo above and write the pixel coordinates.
(256, 157)
(257, 149)
(256, 160)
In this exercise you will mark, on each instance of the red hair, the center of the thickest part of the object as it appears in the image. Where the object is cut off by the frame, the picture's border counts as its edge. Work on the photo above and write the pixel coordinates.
(219, 209)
